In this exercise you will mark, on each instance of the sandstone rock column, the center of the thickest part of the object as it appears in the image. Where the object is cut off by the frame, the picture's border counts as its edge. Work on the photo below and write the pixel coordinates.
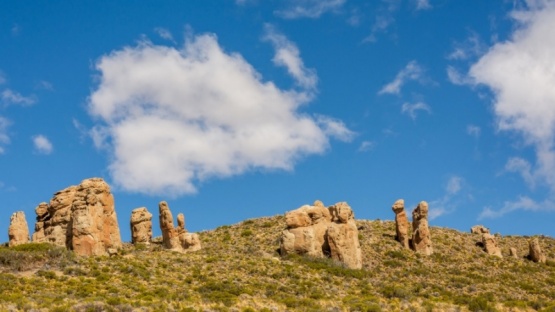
(170, 235)
(18, 232)
(57, 223)
(421, 238)
(401, 223)
(513, 252)
(94, 222)
(536, 253)
(342, 236)
(141, 226)
(323, 232)
(42, 215)
(490, 245)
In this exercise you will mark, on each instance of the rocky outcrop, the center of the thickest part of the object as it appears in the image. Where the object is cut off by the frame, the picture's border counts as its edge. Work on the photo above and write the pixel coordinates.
(81, 218)
(401, 223)
(323, 232)
(141, 226)
(490, 245)
(18, 232)
(479, 229)
(513, 253)
(176, 238)
(536, 253)
(421, 239)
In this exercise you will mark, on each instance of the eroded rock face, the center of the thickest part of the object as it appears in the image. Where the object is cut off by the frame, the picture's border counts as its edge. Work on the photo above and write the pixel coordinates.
(490, 245)
(536, 253)
(479, 229)
(176, 238)
(401, 223)
(18, 232)
(94, 222)
(323, 232)
(421, 238)
(141, 226)
(81, 218)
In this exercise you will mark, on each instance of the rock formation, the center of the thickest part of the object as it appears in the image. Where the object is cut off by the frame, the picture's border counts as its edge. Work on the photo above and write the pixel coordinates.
(421, 238)
(513, 253)
(18, 231)
(490, 245)
(401, 223)
(536, 253)
(176, 238)
(479, 229)
(81, 218)
(323, 232)
(141, 226)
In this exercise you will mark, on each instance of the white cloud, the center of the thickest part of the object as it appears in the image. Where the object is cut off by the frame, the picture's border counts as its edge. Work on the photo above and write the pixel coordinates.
(446, 204)
(412, 109)
(288, 55)
(523, 167)
(473, 130)
(412, 71)
(11, 97)
(523, 203)
(471, 47)
(423, 5)
(521, 74)
(4, 138)
(171, 118)
(164, 33)
(366, 146)
(42, 144)
(456, 78)
(308, 8)
(334, 128)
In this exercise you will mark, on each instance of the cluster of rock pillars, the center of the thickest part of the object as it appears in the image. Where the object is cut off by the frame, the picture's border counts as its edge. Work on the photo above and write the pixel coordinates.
(82, 218)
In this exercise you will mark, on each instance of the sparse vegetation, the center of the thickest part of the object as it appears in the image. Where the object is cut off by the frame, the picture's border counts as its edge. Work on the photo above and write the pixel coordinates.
(239, 269)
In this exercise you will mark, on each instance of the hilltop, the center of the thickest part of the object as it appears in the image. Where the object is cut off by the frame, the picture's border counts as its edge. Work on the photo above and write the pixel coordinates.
(239, 269)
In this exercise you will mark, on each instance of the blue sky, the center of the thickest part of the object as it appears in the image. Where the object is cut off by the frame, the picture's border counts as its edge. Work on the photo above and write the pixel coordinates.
(232, 110)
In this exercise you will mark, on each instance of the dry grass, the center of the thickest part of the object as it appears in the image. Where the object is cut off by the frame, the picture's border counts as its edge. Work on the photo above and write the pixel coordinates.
(238, 269)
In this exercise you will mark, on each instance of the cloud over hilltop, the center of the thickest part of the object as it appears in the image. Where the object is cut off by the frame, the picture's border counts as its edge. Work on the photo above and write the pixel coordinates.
(173, 117)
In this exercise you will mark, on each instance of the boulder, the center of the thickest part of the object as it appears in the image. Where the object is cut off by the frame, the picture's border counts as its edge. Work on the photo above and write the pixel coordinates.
(513, 253)
(401, 223)
(421, 238)
(81, 218)
(479, 229)
(176, 238)
(536, 253)
(490, 245)
(141, 226)
(323, 232)
(18, 232)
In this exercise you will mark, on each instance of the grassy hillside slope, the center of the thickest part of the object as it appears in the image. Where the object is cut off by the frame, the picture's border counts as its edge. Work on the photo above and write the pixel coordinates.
(238, 269)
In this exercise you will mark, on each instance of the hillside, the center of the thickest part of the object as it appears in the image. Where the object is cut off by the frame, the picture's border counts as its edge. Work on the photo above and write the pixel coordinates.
(238, 269)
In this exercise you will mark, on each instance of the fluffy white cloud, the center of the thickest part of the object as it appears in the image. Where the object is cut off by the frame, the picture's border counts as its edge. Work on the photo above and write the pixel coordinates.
(9, 96)
(173, 117)
(4, 138)
(412, 109)
(307, 8)
(42, 144)
(412, 71)
(287, 55)
(521, 74)
(473, 130)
